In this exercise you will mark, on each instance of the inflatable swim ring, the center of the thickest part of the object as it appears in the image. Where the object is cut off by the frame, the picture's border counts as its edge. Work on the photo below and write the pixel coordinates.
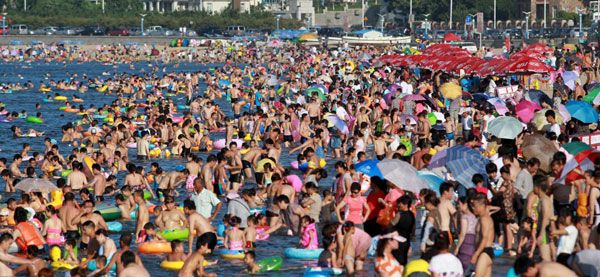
(232, 254)
(304, 254)
(60, 97)
(326, 270)
(108, 211)
(175, 265)
(270, 264)
(153, 247)
(114, 226)
(171, 235)
(34, 119)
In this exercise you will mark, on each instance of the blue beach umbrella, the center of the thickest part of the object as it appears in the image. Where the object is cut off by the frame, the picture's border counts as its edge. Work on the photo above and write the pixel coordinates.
(582, 111)
(465, 162)
(433, 181)
(369, 168)
(539, 96)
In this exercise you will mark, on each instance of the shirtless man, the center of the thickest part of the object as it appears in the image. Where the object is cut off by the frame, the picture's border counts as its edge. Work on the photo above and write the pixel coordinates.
(124, 242)
(305, 131)
(124, 207)
(193, 168)
(6, 241)
(545, 212)
(130, 267)
(423, 127)
(67, 213)
(484, 254)
(197, 222)
(171, 218)
(234, 167)
(142, 215)
(250, 159)
(527, 267)
(273, 149)
(380, 146)
(169, 182)
(446, 210)
(195, 262)
(314, 111)
(87, 214)
(272, 192)
(206, 175)
(99, 183)
(76, 179)
(14, 167)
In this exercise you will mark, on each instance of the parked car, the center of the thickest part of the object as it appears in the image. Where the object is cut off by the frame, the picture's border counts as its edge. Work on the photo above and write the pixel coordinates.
(468, 45)
(331, 32)
(118, 32)
(96, 30)
(134, 32)
(211, 32)
(70, 31)
(18, 29)
(187, 33)
(49, 30)
(158, 31)
(235, 30)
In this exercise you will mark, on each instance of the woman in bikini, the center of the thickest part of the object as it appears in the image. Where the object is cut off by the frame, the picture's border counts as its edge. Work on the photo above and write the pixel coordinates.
(53, 227)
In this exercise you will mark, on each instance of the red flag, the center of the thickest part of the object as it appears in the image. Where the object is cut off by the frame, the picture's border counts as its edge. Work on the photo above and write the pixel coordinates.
(507, 43)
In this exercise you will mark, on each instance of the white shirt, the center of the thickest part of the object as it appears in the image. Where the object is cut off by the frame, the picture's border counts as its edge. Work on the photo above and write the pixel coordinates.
(205, 201)
(555, 128)
(446, 265)
(492, 88)
(566, 243)
(406, 87)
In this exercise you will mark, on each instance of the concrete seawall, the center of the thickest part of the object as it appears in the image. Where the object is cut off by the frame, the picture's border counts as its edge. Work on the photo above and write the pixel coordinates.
(91, 40)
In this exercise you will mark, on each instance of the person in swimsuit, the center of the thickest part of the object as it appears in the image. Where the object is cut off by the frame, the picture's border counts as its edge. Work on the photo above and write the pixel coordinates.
(53, 227)
(484, 254)
(234, 238)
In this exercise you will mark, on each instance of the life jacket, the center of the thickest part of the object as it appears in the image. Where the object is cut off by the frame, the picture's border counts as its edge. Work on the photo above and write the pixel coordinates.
(29, 235)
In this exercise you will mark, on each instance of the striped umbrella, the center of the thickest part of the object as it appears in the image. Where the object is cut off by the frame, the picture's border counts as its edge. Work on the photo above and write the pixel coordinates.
(464, 162)
(583, 159)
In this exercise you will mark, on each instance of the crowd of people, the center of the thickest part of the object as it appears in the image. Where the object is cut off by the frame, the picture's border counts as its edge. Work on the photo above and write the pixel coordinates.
(332, 111)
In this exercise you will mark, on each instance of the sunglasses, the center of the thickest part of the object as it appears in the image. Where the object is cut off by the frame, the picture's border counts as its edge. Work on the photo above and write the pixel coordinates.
(356, 191)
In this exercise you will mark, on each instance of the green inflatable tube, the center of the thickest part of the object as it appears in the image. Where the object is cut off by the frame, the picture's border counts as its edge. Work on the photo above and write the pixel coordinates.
(65, 173)
(171, 235)
(270, 264)
(147, 195)
(34, 119)
(111, 214)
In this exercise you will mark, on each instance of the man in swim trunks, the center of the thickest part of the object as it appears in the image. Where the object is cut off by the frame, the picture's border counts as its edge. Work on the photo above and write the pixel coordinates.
(234, 166)
(67, 213)
(195, 262)
(169, 182)
(484, 254)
